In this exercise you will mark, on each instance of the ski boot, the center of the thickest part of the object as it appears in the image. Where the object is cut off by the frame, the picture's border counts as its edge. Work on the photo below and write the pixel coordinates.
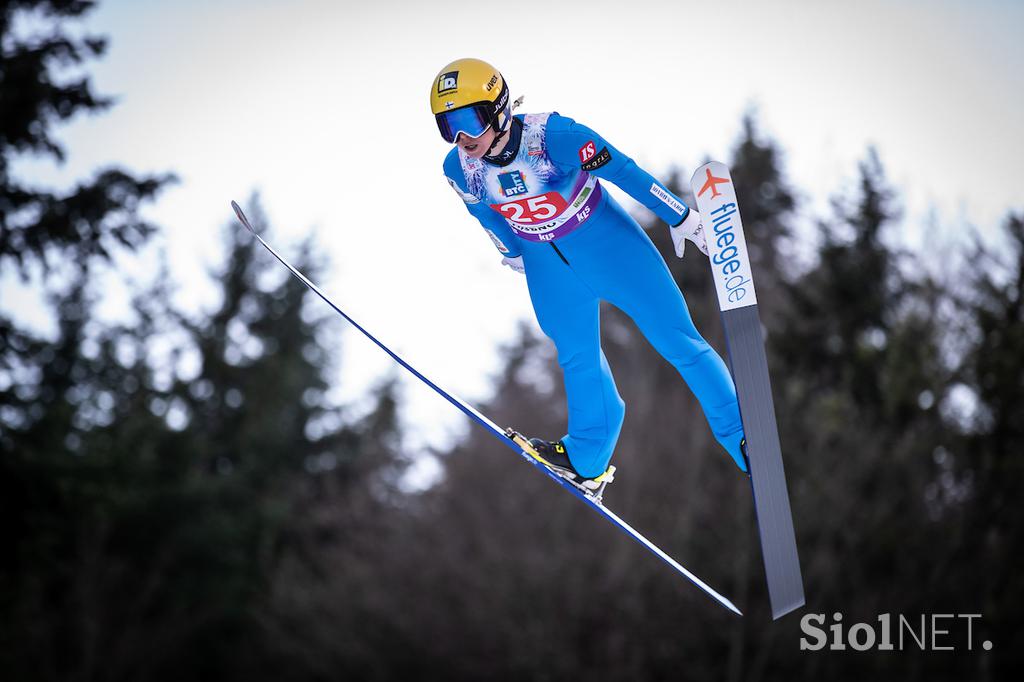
(554, 456)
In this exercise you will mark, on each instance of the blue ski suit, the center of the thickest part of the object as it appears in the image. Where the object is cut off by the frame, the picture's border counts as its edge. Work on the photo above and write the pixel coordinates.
(542, 200)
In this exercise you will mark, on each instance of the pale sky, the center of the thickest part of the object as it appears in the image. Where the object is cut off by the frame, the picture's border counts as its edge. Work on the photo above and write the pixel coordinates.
(322, 106)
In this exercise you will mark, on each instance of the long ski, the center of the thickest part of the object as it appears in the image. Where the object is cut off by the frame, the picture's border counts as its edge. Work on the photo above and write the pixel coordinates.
(730, 265)
(507, 436)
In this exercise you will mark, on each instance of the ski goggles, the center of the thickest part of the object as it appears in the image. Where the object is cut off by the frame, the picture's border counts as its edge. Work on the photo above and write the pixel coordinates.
(471, 120)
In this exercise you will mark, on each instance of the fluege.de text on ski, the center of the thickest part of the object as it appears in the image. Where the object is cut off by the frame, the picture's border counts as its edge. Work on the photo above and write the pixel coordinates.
(732, 266)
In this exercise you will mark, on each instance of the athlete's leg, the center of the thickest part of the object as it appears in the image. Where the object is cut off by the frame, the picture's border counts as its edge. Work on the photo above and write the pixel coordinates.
(568, 312)
(626, 269)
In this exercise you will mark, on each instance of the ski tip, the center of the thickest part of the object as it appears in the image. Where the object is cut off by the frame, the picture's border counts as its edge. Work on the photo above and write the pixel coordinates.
(241, 216)
(707, 171)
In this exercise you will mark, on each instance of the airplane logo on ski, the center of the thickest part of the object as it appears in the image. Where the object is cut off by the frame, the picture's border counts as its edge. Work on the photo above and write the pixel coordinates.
(713, 183)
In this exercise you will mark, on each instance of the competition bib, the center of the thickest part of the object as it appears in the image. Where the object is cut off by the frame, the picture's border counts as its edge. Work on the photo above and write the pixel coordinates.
(547, 216)
(539, 200)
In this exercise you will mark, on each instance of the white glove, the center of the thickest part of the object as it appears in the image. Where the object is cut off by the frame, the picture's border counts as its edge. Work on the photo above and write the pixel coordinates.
(691, 229)
(515, 263)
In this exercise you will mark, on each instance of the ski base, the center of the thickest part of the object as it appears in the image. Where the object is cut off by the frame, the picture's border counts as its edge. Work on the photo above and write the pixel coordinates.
(594, 501)
(715, 196)
(519, 444)
(764, 460)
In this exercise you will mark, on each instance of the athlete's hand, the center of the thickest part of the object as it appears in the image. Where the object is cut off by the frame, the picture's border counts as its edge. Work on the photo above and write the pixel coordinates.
(691, 229)
(515, 263)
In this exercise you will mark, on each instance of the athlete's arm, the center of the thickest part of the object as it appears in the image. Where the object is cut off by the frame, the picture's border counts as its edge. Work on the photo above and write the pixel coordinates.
(574, 144)
(495, 226)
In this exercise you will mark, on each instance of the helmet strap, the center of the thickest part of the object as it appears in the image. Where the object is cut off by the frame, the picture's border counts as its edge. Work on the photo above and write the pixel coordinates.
(494, 143)
(512, 140)
(508, 120)
(500, 130)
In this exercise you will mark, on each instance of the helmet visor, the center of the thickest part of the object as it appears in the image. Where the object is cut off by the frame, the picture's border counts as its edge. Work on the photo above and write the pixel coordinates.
(472, 120)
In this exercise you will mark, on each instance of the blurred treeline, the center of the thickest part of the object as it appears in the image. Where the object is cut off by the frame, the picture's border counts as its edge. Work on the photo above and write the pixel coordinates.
(180, 500)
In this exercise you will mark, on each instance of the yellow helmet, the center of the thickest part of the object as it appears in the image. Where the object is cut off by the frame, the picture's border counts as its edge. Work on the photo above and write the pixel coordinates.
(468, 96)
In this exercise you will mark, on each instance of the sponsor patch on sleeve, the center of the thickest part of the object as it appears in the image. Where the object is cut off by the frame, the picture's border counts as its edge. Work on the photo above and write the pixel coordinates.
(498, 244)
(466, 196)
(587, 151)
(596, 161)
(667, 199)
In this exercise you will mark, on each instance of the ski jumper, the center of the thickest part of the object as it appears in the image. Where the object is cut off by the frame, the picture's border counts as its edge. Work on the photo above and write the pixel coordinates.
(542, 200)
